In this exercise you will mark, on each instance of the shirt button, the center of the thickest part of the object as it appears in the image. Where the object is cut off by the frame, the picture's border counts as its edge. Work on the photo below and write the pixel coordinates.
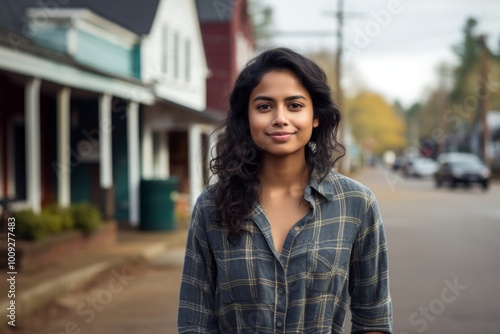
(279, 323)
(296, 228)
(281, 290)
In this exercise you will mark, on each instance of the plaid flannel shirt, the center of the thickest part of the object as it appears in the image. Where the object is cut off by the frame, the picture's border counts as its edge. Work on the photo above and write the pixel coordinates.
(332, 259)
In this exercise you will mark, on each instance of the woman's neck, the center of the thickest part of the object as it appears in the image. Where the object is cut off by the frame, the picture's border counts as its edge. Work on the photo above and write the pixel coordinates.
(286, 173)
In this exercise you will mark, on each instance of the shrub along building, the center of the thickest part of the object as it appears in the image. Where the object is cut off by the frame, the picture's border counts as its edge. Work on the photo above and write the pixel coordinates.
(97, 95)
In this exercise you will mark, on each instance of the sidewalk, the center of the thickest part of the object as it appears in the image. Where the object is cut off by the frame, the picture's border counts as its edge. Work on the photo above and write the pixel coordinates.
(34, 290)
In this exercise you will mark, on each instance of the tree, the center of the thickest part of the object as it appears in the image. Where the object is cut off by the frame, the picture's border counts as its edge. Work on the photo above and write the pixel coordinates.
(326, 60)
(429, 114)
(412, 124)
(262, 22)
(372, 118)
(468, 56)
(466, 74)
(352, 80)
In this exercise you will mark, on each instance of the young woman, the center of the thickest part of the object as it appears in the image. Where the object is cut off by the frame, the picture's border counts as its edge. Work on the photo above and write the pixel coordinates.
(281, 243)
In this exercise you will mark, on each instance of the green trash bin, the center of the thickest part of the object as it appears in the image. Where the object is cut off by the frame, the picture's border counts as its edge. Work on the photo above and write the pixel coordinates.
(157, 205)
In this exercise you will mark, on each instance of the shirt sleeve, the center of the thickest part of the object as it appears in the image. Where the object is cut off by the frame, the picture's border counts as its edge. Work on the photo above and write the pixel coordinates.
(371, 305)
(196, 303)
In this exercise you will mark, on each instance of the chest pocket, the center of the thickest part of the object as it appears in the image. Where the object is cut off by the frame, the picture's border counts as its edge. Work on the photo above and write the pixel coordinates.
(237, 278)
(327, 266)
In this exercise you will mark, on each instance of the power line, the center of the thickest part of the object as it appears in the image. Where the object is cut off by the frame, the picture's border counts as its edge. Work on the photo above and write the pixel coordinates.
(304, 33)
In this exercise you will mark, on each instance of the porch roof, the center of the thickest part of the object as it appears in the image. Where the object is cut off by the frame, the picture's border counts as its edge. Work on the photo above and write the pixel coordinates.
(207, 116)
(136, 16)
(20, 56)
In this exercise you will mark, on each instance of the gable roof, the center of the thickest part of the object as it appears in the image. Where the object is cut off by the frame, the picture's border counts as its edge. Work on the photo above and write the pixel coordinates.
(136, 16)
(215, 10)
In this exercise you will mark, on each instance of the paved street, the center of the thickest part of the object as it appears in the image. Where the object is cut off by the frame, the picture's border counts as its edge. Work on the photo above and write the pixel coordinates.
(444, 255)
(444, 262)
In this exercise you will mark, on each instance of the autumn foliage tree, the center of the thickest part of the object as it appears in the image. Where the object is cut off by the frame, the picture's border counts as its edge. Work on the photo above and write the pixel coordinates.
(373, 119)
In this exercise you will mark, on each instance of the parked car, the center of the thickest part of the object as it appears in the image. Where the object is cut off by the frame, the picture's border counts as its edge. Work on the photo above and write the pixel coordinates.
(420, 167)
(465, 168)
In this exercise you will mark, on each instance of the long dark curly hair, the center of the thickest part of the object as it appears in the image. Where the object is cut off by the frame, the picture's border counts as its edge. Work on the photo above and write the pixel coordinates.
(237, 159)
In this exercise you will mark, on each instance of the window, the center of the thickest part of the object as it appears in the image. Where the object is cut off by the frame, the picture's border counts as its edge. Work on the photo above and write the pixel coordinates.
(176, 55)
(187, 63)
(164, 49)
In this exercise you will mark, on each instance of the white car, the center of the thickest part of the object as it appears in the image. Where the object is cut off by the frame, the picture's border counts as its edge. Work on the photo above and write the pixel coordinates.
(421, 167)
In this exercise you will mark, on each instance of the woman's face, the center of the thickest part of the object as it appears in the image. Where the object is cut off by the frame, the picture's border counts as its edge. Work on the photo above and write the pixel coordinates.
(280, 114)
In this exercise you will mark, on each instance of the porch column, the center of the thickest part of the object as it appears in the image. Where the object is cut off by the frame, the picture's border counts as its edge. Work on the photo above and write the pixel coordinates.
(32, 133)
(133, 162)
(147, 148)
(63, 147)
(106, 156)
(166, 154)
(11, 171)
(163, 171)
(195, 163)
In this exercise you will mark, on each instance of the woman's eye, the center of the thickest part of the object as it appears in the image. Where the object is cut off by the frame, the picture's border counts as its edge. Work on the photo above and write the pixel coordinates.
(295, 106)
(264, 107)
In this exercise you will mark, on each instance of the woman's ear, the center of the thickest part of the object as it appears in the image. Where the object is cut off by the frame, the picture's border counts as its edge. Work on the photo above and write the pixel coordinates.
(315, 122)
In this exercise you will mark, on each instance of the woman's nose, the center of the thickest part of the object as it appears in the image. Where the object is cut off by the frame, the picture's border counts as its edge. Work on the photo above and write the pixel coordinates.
(280, 117)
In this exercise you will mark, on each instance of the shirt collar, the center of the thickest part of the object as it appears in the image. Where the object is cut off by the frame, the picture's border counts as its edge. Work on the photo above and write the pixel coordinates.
(325, 187)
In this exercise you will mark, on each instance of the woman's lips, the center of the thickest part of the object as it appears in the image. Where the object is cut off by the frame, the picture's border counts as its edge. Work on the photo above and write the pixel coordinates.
(280, 136)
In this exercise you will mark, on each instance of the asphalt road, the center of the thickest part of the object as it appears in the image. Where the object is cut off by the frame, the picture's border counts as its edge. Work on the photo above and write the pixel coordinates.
(444, 254)
(444, 262)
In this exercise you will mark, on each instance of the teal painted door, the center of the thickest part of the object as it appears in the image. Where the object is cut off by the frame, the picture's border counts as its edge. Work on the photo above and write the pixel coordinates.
(81, 183)
(84, 133)
(120, 160)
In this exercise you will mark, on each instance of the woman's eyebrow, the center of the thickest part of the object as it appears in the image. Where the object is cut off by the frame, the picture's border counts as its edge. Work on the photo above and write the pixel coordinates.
(267, 98)
(264, 98)
(295, 97)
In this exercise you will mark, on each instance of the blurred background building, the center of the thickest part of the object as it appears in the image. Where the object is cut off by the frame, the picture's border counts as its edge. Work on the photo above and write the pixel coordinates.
(96, 96)
(229, 44)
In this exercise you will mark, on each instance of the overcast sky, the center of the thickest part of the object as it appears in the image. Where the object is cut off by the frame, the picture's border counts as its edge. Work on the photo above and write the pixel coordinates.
(394, 45)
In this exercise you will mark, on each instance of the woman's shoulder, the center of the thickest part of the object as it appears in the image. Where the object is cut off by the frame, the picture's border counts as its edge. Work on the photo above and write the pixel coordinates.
(356, 197)
(202, 209)
(205, 199)
(339, 184)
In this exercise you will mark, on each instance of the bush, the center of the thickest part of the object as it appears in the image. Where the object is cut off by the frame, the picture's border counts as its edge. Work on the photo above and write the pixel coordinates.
(53, 219)
(85, 217)
(51, 222)
(29, 225)
(65, 215)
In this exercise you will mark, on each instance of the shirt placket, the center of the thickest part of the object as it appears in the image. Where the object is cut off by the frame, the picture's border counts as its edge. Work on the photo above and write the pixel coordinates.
(281, 293)
(281, 286)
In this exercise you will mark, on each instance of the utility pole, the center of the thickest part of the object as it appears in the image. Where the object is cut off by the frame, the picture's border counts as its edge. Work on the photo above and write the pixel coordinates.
(442, 104)
(342, 135)
(344, 165)
(484, 98)
(338, 58)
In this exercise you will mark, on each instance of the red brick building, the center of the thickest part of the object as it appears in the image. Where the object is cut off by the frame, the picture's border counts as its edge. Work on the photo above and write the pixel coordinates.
(228, 39)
